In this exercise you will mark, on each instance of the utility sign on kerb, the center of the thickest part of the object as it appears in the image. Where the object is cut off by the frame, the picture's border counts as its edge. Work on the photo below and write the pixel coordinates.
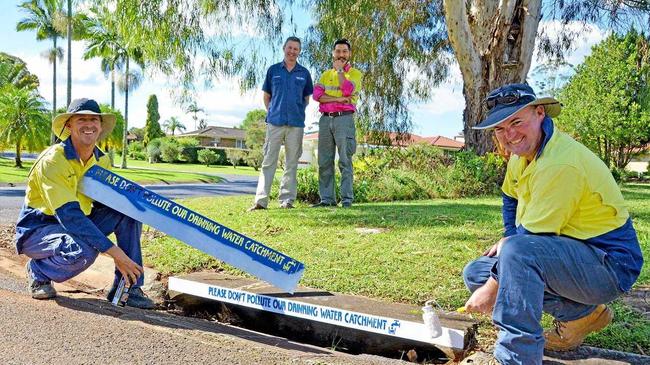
(192, 228)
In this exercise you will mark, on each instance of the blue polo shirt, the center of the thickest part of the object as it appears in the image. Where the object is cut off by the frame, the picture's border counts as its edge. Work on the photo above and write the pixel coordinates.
(288, 90)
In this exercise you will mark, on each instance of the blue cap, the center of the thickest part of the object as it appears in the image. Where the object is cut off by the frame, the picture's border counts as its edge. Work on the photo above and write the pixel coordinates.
(507, 100)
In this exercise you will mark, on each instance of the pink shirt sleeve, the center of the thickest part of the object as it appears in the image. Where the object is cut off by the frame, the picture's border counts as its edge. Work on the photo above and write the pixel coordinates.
(347, 88)
(319, 90)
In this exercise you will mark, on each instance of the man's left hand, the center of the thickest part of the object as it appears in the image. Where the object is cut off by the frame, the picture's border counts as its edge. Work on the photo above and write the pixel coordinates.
(483, 299)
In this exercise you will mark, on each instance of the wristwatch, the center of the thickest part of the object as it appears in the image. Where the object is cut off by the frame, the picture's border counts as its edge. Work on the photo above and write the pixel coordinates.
(340, 70)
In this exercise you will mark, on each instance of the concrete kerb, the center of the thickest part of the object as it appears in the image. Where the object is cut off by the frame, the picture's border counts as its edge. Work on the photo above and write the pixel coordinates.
(98, 278)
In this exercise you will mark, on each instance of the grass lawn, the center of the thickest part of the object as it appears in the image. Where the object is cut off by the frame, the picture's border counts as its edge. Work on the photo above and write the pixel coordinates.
(404, 252)
(10, 174)
(197, 168)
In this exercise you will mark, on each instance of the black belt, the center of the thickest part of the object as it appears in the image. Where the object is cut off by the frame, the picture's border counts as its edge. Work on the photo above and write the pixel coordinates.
(338, 114)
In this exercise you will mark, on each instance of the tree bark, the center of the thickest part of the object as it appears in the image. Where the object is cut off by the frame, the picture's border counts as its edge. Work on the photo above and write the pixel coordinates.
(52, 136)
(493, 43)
(69, 51)
(113, 87)
(126, 115)
(19, 162)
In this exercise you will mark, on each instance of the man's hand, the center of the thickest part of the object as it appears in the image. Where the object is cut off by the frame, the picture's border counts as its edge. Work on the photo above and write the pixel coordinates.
(338, 64)
(483, 299)
(494, 250)
(129, 269)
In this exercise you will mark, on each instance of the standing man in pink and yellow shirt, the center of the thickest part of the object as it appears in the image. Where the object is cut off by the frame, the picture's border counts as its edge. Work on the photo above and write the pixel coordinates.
(337, 92)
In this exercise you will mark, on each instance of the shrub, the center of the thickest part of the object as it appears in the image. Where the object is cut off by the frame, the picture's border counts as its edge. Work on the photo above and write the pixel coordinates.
(189, 149)
(136, 150)
(208, 157)
(307, 179)
(235, 156)
(473, 175)
(254, 158)
(169, 151)
(417, 172)
(153, 150)
(222, 159)
(620, 175)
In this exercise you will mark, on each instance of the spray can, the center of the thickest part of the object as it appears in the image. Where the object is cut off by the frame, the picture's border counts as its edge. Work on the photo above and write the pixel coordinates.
(431, 320)
(121, 293)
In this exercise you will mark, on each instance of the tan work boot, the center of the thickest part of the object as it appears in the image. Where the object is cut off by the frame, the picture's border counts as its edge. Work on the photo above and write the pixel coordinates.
(569, 335)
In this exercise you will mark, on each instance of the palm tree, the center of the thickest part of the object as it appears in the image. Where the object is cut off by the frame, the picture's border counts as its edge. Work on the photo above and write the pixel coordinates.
(173, 124)
(194, 108)
(129, 81)
(14, 71)
(69, 36)
(24, 119)
(75, 29)
(115, 51)
(42, 16)
(103, 42)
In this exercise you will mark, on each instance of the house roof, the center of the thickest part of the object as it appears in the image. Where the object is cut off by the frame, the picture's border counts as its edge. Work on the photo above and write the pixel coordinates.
(217, 132)
(444, 142)
(438, 141)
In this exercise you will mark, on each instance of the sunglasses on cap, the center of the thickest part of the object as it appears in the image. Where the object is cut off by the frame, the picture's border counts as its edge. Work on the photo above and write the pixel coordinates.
(506, 98)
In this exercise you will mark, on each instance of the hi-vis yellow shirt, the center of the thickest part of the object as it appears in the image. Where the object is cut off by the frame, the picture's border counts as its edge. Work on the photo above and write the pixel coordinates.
(566, 191)
(55, 178)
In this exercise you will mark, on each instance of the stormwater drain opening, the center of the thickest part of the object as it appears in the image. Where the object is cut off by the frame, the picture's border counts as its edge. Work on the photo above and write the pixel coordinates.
(348, 323)
(320, 334)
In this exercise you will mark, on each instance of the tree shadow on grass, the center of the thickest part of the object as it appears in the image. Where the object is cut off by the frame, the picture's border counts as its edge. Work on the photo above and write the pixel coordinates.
(389, 215)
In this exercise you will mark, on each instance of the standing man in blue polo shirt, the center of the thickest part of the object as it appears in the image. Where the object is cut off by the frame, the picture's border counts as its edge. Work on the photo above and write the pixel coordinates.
(287, 89)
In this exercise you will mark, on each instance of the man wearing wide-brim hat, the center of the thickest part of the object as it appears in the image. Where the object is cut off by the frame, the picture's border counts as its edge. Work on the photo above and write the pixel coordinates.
(62, 230)
(569, 246)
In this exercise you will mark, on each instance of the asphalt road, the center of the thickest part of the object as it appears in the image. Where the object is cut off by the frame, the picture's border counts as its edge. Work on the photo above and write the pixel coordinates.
(11, 198)
(77, 328)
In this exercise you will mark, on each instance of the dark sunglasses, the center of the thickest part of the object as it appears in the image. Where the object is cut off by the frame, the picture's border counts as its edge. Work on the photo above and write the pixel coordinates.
(506, 98)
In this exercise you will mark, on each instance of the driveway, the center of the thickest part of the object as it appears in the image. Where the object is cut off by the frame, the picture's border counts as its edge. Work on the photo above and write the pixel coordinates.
(11, 198)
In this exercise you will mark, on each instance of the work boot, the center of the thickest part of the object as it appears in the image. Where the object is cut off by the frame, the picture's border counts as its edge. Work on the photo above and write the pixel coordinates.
(480, 358)
(137, 298)
(39, 289)
(569, 335)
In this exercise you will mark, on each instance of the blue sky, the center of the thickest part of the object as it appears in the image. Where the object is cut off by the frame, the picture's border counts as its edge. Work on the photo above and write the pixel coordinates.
(223, 103)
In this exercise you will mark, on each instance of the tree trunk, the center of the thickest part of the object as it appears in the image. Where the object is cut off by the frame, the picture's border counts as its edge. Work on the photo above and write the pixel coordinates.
(113, 87)
(52, 136)
(126, 115)
(493, 43)
(69, 51)
(19, 162)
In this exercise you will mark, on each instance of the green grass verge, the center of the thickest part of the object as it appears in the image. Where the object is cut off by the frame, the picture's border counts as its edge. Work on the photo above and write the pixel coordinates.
(10, 174)
(418, 253)
(188, 167)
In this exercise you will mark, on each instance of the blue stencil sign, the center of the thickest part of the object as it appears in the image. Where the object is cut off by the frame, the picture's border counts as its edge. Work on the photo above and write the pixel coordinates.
(192, 228)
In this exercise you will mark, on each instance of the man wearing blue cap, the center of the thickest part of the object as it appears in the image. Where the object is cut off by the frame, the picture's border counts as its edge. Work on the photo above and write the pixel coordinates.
(569, 245)
(62, 230)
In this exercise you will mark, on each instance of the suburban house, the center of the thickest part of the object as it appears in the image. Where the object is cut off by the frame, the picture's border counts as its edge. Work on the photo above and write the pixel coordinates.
(310, 144)
(219, 137)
